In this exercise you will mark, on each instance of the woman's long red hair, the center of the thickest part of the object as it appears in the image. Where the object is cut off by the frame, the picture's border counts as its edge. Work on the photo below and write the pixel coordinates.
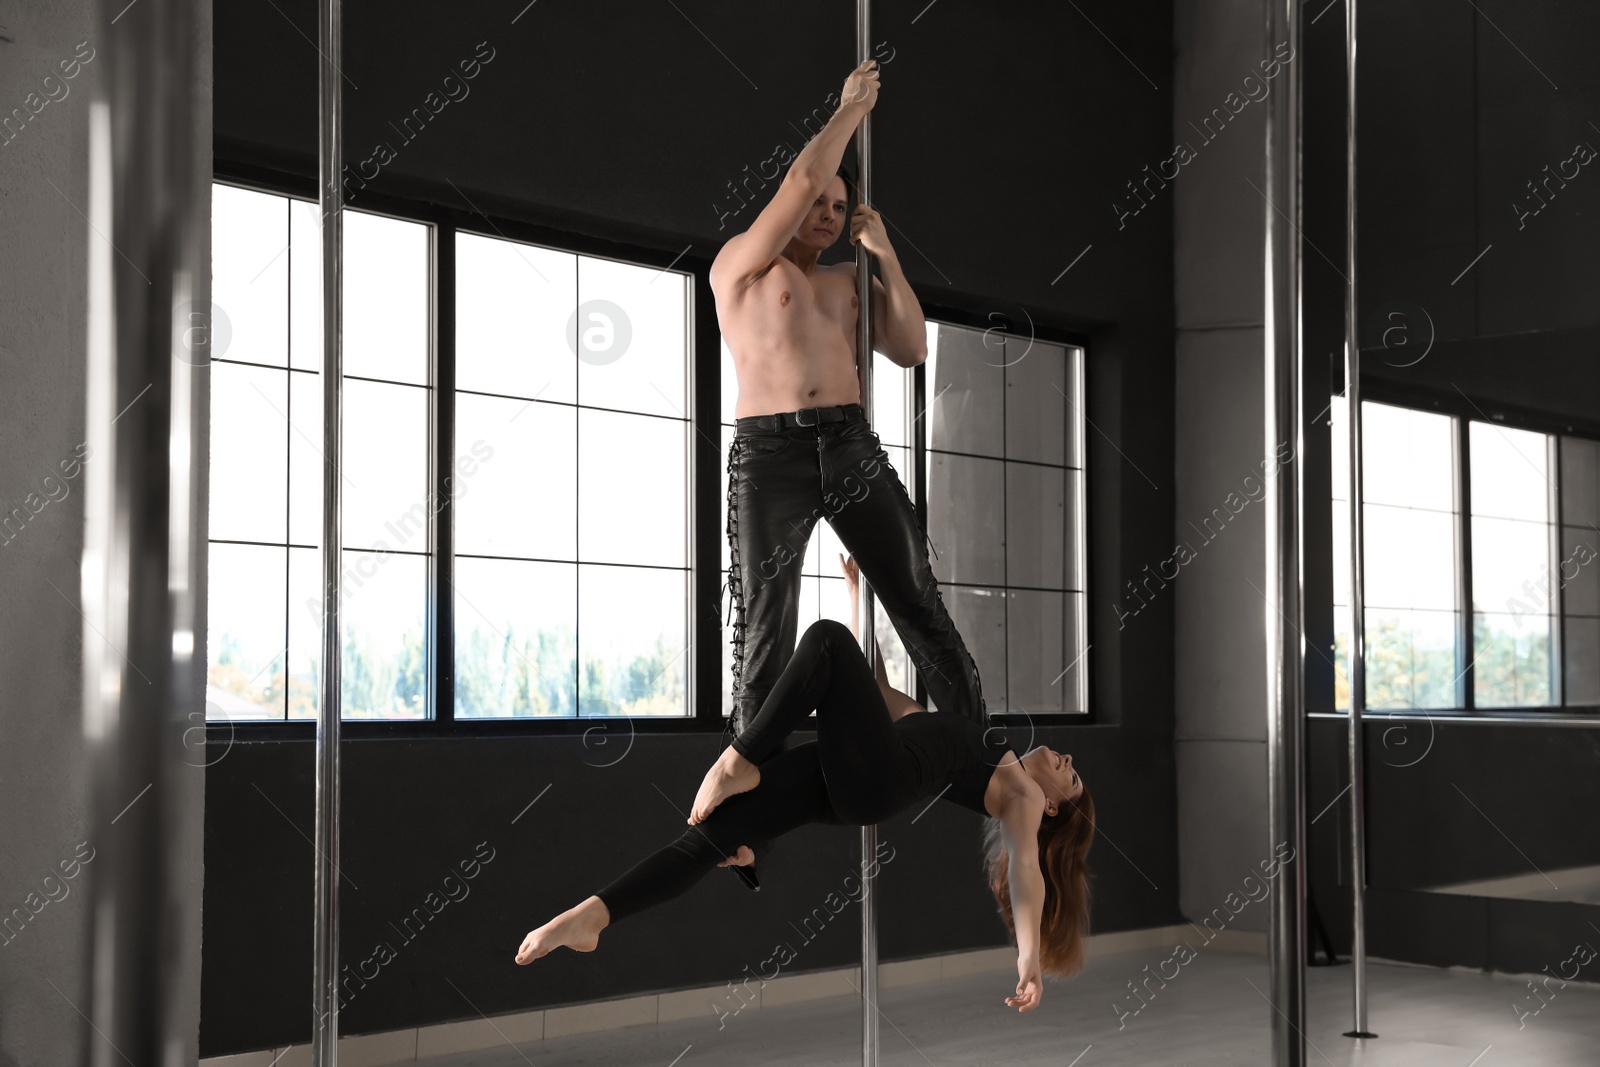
(1064, 840)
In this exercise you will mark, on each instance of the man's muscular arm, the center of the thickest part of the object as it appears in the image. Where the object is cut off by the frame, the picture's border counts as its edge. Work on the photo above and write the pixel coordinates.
(748, 255)
(899, 329)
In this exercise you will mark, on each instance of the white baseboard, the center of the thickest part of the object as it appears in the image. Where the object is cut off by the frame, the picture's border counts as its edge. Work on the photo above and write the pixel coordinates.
(725, 1002)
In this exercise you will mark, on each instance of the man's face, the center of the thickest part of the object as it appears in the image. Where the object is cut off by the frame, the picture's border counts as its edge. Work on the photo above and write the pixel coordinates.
(827, 218)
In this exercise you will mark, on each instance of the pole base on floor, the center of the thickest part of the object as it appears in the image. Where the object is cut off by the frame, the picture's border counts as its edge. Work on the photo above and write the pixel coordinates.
(1358, 1033)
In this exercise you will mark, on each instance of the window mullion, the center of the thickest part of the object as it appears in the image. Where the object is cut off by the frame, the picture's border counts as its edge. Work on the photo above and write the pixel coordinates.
(1466, 618)
(442, 404)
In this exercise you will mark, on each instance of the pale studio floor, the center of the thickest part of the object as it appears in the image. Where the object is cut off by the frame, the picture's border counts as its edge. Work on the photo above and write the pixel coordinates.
(1208, 1016)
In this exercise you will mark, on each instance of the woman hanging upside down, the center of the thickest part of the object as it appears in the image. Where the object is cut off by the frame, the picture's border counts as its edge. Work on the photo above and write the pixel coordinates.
(868, 763)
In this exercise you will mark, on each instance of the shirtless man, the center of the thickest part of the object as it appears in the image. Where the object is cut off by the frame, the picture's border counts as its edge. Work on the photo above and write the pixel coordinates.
(803, 449)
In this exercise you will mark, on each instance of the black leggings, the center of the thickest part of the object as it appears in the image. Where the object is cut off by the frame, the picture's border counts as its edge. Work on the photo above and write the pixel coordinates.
(853, 774)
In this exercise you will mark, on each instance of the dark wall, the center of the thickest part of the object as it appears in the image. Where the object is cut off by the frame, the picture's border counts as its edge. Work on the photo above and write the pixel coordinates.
(630, 123)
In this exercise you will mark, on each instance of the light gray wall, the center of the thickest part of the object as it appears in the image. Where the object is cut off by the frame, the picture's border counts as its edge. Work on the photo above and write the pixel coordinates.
(1220, 673)
(43, 785)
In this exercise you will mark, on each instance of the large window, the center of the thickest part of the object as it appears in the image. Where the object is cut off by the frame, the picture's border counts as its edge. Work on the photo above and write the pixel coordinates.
(566, 480)
(516, 483)
(1528, 529)
(266, 462)
(1003, 433)
(572, 533)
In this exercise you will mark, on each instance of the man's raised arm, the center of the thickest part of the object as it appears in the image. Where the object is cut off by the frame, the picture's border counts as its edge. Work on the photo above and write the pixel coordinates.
(749, 254)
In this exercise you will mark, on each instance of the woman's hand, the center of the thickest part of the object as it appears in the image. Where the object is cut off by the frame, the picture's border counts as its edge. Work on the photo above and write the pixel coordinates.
(1030, 985)
(852, 573)
(743, 858)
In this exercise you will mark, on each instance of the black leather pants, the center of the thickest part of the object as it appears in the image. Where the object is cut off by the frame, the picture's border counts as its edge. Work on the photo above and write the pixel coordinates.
(786, 472)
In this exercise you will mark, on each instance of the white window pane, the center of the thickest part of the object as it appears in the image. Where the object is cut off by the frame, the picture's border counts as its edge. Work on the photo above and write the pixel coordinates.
(1511, 665)
(632, 496)
(1075, 561)
(1340, 654)
(1408, 457)
(1411, 659)
(1582, 661)
(516, 638)
(965, 515)
(305, 285)
(1077, 421)
(722, 522)
(306, 459)
(1036, 404)
(384, 668)
(305, 632)
(891, 385)
(513, 303)
(829, 598)
(1035, 538)
(630, 329)
(521, 498)
(632, 640)
(1341, 552)
(1511, 569)
(250, 274)
(1578, 572)
(965, 388)
(1580, 481)
(386, 501)
(245, 633)
(249, 453)
(1035, 651)
(1072, 681)
(1339, 446)
(1410, 558)
(980, 618)
(385, 298)
(1510, 473)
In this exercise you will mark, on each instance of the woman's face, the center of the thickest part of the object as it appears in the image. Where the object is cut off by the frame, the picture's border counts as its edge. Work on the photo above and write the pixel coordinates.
(1055, 774)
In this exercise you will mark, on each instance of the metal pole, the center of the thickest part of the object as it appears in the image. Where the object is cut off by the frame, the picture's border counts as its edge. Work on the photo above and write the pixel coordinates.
(1358, 655)
(146, 265)
(868, 632)
(1284, 609)
(325, 941)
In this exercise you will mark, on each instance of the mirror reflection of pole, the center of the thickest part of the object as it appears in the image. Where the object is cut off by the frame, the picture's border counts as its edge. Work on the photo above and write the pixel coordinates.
(1283, 389)
(146, 276)
(1357, 643)
(869, 645)
(325, 940)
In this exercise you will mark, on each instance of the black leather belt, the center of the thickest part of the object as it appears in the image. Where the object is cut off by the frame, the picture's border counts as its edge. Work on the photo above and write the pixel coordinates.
(785, 420)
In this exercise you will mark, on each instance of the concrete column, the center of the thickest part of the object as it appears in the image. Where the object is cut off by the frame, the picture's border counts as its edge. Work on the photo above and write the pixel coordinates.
(1220, 516)
(49, 57)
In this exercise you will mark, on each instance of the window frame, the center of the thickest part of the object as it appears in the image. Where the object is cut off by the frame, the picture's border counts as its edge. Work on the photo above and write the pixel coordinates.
(1464, 409)
(614, 241)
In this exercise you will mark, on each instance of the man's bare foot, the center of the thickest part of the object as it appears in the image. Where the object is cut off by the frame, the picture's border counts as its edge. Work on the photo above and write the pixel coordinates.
(731, 774)
(577, 928)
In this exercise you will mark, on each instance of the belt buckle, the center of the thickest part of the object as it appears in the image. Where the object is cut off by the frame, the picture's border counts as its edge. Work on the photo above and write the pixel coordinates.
(799, 417)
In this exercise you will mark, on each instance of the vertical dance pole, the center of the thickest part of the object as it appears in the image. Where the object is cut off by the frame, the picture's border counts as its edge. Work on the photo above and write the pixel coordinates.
(1358, 599)
(146, 268)
(869, 637)
(325, 941)
(1284, 607)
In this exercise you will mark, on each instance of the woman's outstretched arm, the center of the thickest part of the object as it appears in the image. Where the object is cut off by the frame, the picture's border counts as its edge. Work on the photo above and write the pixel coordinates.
(1019, 828)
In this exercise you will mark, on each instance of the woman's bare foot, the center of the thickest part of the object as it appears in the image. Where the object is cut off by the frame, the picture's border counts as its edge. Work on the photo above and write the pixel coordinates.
(577, 928)
(731, 774)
